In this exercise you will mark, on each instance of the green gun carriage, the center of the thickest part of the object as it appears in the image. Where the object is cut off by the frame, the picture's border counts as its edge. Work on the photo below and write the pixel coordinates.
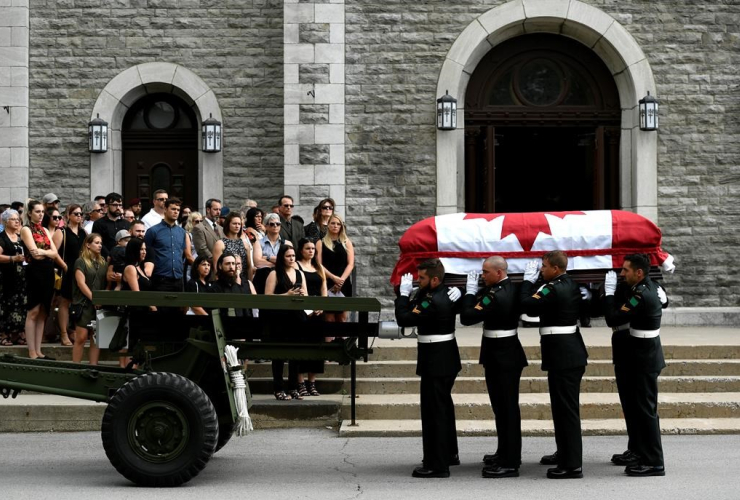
(174, 406)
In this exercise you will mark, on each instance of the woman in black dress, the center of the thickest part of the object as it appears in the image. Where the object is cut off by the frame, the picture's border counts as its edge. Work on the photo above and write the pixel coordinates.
(69, 242)
(286, 279)
(336, 254)
(12, 281)
(316, 286)
(199, 281)
(41, 255)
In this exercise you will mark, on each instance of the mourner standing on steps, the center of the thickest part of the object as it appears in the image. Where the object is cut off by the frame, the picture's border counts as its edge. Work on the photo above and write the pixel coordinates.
(640, 361)
(564, 356)
(503, 358)
(291, 228)
(438, 362)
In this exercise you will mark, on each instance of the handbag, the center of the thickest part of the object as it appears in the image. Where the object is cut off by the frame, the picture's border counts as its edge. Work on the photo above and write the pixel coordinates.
(57, 280)
(75, 311)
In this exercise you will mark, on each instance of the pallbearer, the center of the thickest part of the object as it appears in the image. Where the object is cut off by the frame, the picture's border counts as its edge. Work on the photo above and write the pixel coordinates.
(503, 358)
(564, 356)
(640, 361)
(433, 311)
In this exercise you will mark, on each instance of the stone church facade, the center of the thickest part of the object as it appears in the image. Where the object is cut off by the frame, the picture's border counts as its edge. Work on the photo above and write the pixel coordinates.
(337, 98)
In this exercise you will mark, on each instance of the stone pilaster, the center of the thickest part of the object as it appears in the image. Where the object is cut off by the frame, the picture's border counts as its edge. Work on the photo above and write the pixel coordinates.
(13, 100)
(314, 103)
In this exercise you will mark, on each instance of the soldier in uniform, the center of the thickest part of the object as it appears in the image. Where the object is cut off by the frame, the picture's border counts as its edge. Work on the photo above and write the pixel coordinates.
(639, 360)
(503, 358)
(564, 356)
(438, 362)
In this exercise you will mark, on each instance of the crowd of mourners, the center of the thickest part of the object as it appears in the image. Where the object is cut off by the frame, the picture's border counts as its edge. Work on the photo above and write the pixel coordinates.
(52, 259)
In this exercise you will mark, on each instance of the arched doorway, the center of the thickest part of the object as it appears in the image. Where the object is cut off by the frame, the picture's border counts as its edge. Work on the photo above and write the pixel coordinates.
(542, 128)
(160, 149)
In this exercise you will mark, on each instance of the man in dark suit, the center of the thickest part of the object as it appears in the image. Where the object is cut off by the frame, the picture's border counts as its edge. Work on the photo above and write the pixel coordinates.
(438, 362)
(208, 232)
(564, 356)
(638, 361)
(503, 358)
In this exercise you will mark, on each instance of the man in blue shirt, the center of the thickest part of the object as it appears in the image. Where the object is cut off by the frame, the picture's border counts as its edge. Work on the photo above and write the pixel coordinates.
(170, 247)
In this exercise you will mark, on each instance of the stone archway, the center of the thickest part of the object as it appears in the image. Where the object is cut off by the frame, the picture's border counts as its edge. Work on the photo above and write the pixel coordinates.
(106, 169)
(590, 26)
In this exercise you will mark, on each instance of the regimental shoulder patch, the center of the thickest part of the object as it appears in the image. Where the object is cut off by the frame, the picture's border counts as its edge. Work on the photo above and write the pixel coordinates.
(634, 301)
(486, 300)
(545, 291)
(425, 304)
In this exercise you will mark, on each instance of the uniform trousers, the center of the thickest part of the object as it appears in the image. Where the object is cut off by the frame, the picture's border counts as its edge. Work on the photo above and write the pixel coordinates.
(641, 411)
(565, 386)
(438, 430)
(503, 391)
(620, 375)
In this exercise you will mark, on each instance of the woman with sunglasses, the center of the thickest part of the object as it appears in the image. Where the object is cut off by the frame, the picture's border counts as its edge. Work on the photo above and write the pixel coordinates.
(266, 250)
(69, 242)
(12, 281)
(41, 255)
(321, 214)
(337, 254)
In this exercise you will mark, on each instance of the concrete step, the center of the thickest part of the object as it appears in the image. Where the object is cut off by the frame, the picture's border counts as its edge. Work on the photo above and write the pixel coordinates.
(406, 350)
(47, 413)
(603, 427)
(597, 368)
(537, 406)
(477, 385)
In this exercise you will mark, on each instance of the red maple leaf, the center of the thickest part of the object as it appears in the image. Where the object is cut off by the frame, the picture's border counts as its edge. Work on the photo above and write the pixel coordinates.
(525, 226)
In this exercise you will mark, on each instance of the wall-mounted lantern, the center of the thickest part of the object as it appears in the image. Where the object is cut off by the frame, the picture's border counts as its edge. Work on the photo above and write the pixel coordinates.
(648, 113)
(211, 135)
(97, 131)
(447, 112)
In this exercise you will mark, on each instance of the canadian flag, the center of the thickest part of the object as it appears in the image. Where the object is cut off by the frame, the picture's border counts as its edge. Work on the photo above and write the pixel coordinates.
(597, 239)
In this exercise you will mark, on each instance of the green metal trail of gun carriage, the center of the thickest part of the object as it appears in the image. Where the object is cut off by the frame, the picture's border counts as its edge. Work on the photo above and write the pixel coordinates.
(174, 406)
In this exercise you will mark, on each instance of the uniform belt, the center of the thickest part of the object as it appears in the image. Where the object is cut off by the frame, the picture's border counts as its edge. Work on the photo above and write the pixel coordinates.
(621, 328)
(553, 330)
(498, 334)
(430, 339)
(644, 334)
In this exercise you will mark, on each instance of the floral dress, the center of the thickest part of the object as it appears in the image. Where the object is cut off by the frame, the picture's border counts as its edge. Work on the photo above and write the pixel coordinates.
(13, 293)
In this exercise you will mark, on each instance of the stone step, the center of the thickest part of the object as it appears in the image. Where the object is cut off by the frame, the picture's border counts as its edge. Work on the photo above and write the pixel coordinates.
(595, 368)
(537, 406)
(477, 385)
(407, 351)
(602, 427)
(47, 413)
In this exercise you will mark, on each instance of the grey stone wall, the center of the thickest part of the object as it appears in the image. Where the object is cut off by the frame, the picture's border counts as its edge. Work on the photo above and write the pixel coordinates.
(394, 51)
(235, 46)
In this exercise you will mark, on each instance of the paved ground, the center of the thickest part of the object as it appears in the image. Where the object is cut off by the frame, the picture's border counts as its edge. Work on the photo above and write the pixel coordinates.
(301, 463)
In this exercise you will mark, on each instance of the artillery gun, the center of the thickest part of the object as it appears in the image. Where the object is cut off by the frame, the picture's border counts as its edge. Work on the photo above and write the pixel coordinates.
(174, 406)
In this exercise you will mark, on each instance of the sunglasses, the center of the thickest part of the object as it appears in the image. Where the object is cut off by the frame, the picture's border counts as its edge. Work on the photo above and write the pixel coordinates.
(76, 214)
(198, 221)
(102, 211)
(327, 207)
(288, 206)
(57, 217)
(161, 199)
(274, 224)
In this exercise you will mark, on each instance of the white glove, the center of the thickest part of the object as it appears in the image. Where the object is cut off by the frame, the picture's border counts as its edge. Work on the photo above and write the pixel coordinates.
(662, 296)
(610, 283)
(585, 293)
(532, 271)
(471, 286)
(454, 294)
(407, 283)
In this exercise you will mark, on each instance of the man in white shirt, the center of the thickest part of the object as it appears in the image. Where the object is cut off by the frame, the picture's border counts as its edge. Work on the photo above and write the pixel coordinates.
(156, 214)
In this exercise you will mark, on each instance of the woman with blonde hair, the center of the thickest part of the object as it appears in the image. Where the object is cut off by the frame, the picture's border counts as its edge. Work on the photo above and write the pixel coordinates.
(90, 270)
(336, 254)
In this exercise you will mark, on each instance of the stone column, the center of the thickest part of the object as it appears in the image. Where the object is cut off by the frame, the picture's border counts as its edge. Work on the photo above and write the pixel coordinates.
(314, 103)
(13, 100)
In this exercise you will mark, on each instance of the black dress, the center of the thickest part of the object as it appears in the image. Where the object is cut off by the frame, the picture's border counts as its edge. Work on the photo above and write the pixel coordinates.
(336, 262)
(290, 324)
(313, 328)
(39, 273)
(70, 251)
(13, 288)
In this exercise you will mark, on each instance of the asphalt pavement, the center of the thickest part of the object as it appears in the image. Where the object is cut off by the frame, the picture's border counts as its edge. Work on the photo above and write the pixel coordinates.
(316, 464)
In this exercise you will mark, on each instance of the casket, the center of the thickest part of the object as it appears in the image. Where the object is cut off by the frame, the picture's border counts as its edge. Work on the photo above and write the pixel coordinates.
(595, 241)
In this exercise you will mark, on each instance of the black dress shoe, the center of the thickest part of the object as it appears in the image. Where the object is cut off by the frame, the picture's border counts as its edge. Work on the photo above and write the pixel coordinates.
(565, 473)
(423, 472)
(549, 459)
(645, 470)
(490, 459)
(455, 460)
(626, 459)
(498, 472)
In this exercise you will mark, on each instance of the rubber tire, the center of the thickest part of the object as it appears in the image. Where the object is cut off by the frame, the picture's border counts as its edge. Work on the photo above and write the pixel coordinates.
(224, 435)
(187, 398)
